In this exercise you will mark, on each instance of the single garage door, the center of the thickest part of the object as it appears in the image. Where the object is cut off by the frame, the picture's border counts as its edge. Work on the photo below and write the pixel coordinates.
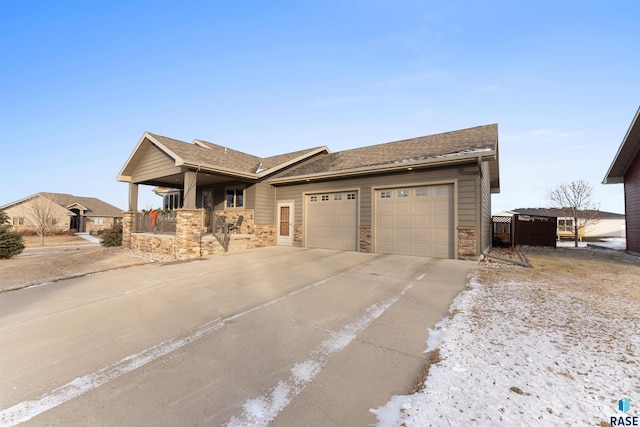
(415, 221)
(332, 220)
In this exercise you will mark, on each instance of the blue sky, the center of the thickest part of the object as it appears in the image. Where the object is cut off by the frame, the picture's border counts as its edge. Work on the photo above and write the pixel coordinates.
(82, 80)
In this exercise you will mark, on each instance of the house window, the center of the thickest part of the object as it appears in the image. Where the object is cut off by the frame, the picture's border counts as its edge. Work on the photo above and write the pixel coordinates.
(235, 197)
(337, 197)
(313, 198)
(325, 198)
(403, 193)
(565, 225)
(422, 192)
(385, 194)
(172, 201)
(18, 220)
(98, 220)
(351, 196)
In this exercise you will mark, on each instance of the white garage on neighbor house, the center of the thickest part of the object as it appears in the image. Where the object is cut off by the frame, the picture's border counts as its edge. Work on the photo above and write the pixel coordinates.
(427, 196)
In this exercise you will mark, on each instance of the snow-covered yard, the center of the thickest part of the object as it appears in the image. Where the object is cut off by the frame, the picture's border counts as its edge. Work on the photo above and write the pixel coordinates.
(556, 344)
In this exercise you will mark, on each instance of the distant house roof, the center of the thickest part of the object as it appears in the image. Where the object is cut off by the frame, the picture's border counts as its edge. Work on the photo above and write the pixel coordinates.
(432, 150)
(93, 207)
(628, 151)
(559, 212)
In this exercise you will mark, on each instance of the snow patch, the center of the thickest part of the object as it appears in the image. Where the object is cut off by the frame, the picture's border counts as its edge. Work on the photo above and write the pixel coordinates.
(546, 366)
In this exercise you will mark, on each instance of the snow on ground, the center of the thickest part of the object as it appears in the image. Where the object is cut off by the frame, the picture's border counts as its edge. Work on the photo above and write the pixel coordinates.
(617, 243)
(528, 354)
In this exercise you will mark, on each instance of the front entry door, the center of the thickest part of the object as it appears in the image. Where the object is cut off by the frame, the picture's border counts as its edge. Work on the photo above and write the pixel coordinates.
(207, 204)
(285, 224)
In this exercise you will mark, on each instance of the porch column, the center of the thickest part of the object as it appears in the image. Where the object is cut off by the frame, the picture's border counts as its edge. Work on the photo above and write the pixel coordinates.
(188, 243)
(128, 228)
(133, 197)
(189, 201)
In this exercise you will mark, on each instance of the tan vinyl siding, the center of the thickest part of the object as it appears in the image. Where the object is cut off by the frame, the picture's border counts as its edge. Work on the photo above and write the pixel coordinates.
(154, 164)
(265, 204)
(467, 201)
(250, 197)
(466, 178)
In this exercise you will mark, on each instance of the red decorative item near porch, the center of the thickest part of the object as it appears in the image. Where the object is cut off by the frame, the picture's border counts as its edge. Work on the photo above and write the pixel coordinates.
(154, 218)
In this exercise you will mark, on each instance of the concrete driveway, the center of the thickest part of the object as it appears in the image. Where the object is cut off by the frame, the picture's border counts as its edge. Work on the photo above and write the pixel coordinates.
(279, 336)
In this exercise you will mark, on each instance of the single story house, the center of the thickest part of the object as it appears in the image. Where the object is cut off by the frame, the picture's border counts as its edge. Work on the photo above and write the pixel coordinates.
(62, 212)
(427, 196)
(625, 168)
(603, 225)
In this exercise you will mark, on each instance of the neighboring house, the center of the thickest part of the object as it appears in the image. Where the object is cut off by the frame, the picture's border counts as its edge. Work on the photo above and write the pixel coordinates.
(604, 224)
(62, 212)
(426, 196)
(625, 169)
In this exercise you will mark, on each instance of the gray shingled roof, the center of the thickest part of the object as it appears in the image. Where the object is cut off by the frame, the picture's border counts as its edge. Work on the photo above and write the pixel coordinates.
(443, 145)
(215, 156)
(318, 162)
(96, 207)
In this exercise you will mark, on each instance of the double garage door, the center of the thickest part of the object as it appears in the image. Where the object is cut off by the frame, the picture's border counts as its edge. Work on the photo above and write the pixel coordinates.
(407, 221)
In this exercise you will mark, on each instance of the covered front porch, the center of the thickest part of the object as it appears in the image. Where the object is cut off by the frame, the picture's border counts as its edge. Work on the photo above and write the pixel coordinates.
(205, 206)
(183, 233)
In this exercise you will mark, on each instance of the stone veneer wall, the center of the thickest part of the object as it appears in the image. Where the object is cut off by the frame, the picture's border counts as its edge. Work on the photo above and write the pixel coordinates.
(211, 246)
(161, 244)
(467, 243)
(188, 241)
(297, 236)
(365, 243)
(128, 225)
(248, 225)
(188, 232)
(265, 236)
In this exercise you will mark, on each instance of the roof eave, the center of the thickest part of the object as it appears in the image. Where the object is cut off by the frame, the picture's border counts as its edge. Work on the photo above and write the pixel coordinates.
(219, 170)
(627, 152)
(127, 178)
(284, 165)
(394, 167)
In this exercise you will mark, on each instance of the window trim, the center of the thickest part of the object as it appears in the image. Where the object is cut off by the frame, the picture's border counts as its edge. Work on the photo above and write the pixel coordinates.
(236, 191)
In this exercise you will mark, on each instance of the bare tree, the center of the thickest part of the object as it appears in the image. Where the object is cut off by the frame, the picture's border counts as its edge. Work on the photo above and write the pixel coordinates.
(574, 199)
(44, 215)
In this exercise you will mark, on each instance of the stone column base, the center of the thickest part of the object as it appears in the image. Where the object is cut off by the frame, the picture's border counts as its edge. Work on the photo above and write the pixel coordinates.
(467, 243)
(365, 240)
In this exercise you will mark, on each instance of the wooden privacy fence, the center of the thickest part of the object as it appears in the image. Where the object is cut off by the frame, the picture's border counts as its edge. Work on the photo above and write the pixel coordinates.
(529, 230)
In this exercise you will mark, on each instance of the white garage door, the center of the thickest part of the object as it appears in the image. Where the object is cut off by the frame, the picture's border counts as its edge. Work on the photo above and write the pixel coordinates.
(415, 221)
(332, 220)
